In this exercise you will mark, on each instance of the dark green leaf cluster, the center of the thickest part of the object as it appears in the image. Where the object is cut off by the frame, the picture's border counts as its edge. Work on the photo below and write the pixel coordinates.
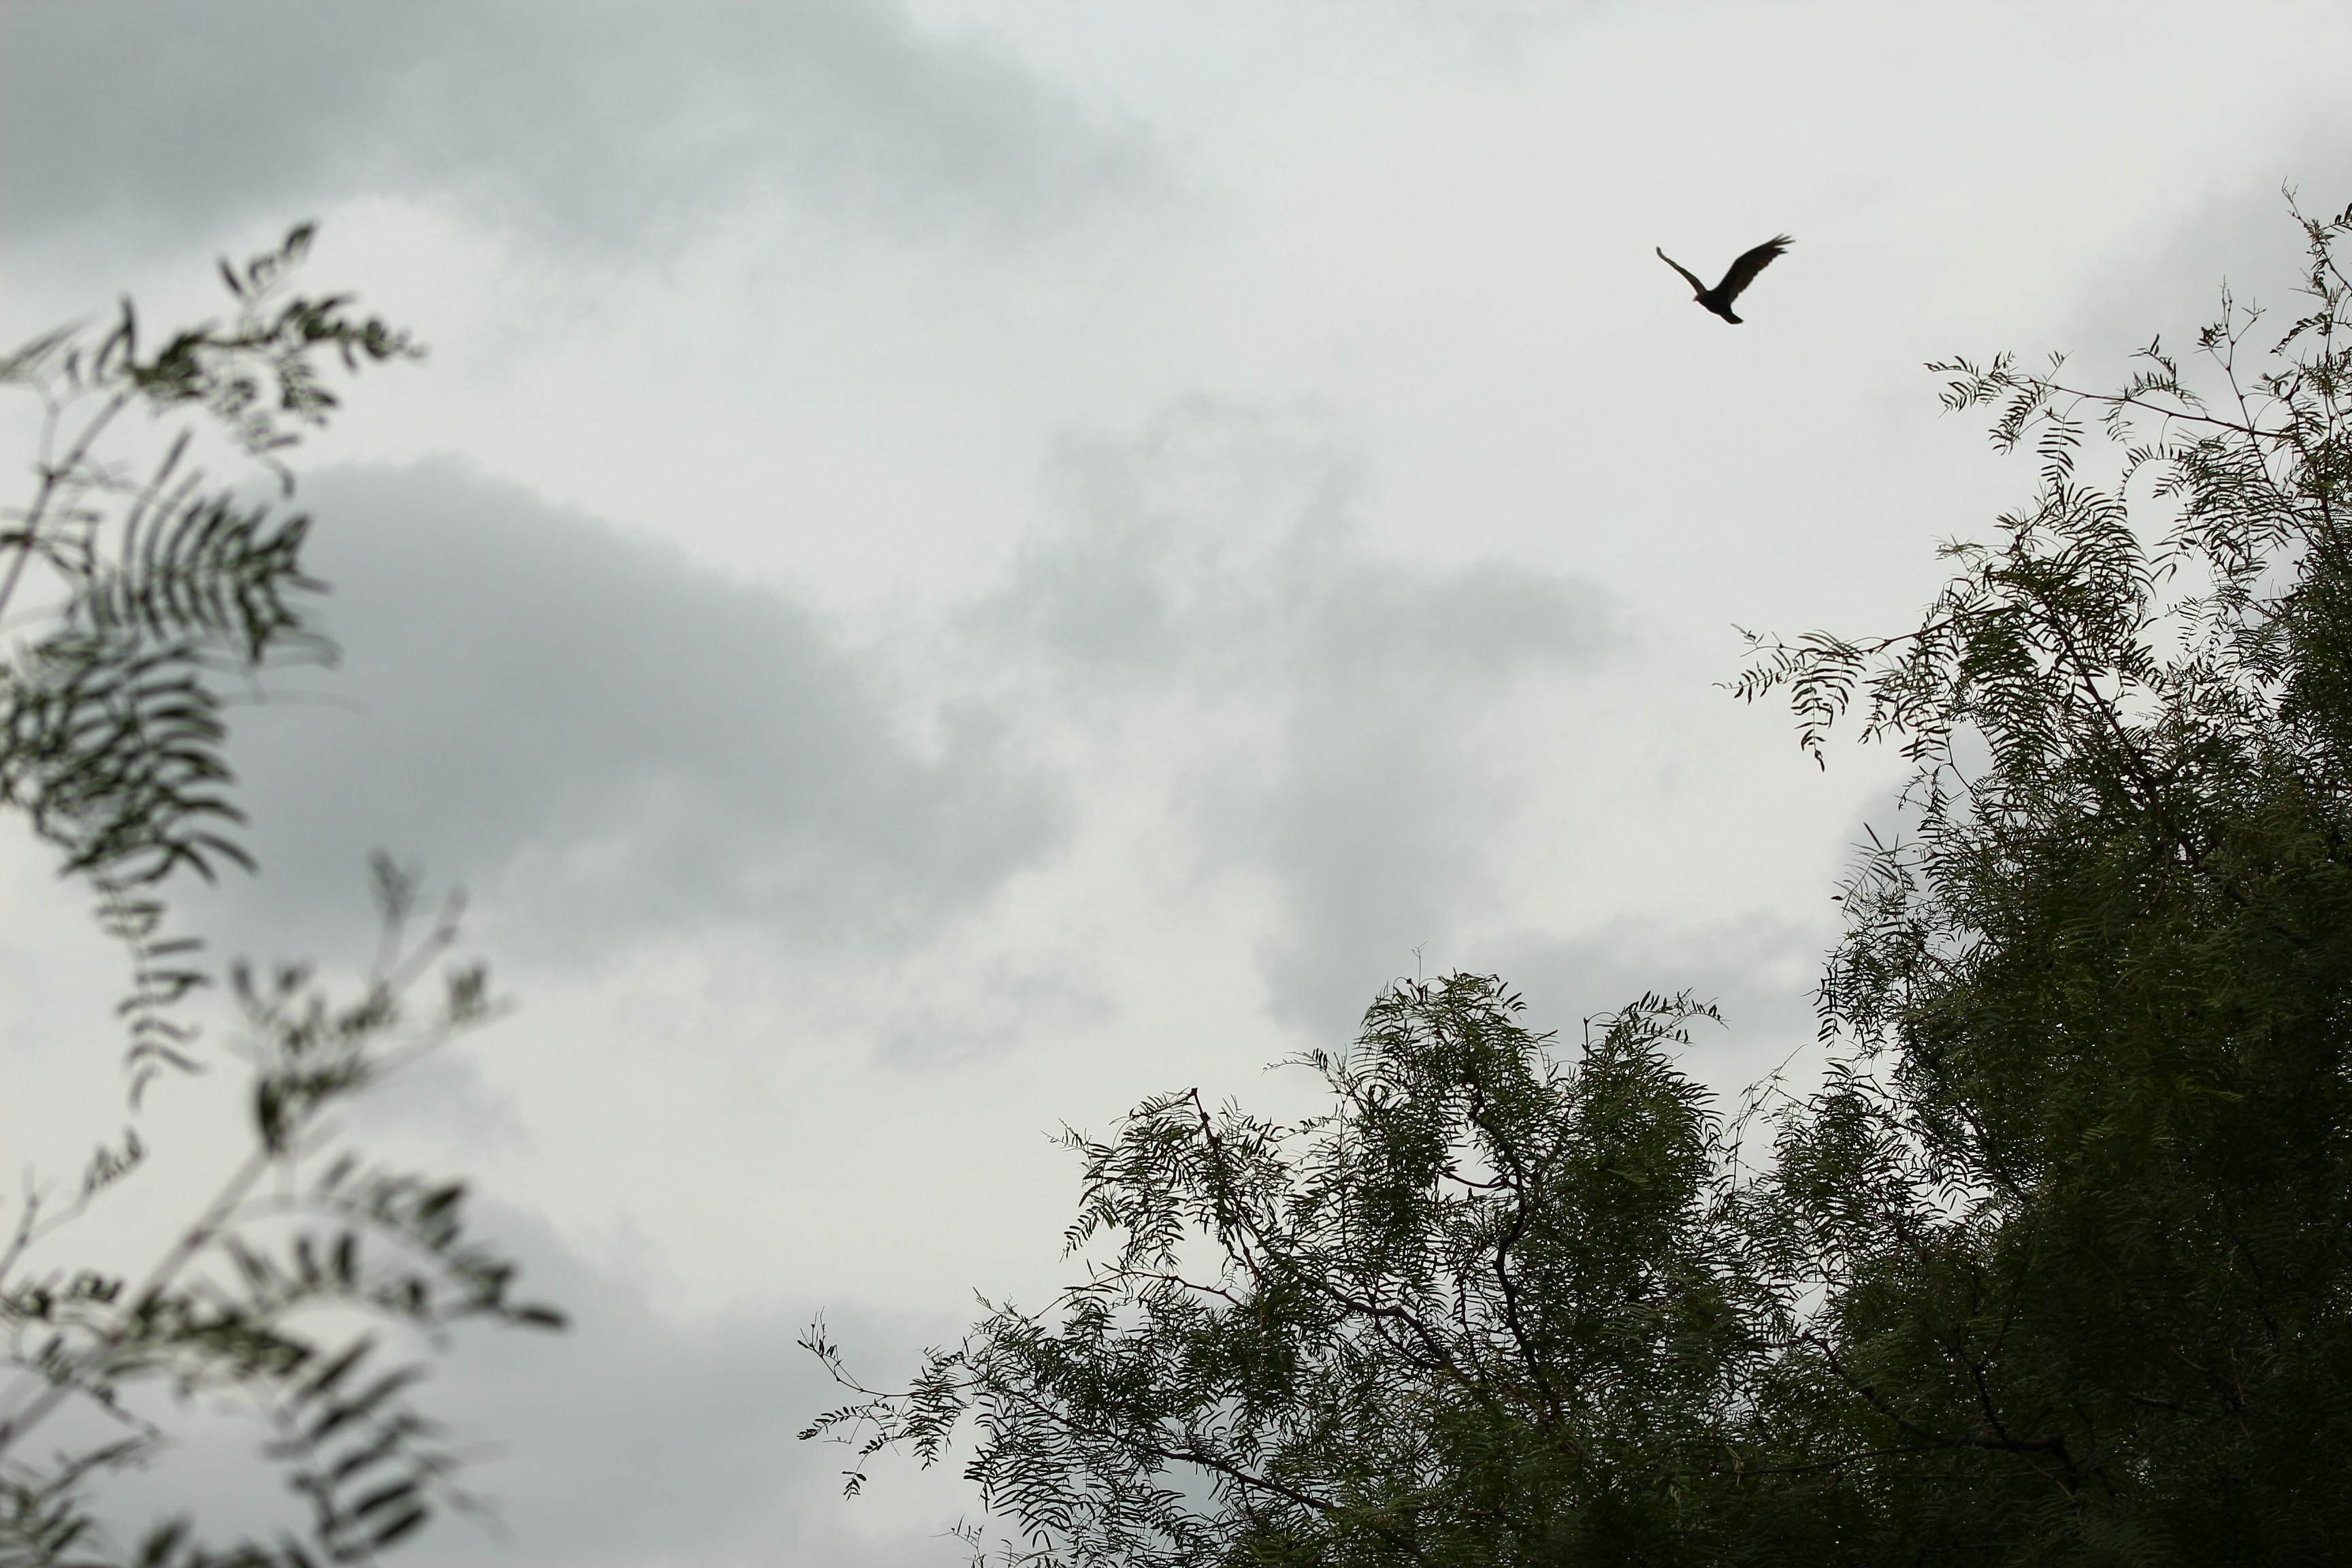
(2051, 1268)
(111, 725)
(2082, 1193)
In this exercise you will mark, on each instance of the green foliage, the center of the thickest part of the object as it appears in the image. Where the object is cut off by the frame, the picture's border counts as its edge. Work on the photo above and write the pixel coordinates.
(111, 722)
(256, 1297)
(2081, 1190)
(253, 1298)
(1481, 1280)
(311, 1287)
(2051, 1268)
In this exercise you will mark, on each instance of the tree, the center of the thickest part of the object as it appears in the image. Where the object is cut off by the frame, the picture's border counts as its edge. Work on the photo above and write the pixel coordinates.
(299, 1285)
(2081, 1197)
(1482, 1282)
(2052, 1267)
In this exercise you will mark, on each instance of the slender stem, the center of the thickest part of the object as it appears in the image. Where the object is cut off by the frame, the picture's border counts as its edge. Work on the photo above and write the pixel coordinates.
(193, 1241)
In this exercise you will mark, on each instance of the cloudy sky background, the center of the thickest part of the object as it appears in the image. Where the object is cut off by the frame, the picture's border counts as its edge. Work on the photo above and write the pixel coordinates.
(953, 566)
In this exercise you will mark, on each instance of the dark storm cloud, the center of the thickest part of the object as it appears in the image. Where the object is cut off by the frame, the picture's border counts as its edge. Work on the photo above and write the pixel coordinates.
(606, 123)
(1212, 559)
(608, 738)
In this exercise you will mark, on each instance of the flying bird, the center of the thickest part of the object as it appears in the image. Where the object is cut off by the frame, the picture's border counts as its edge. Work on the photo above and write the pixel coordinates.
(1742, 273)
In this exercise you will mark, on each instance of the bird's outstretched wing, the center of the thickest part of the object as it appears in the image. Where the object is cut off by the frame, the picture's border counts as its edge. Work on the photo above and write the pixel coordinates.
(1744, 270)
(1696, 287)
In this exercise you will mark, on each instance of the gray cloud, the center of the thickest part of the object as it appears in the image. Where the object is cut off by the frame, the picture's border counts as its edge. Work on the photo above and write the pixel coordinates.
(606, 738)
(1213, 561)
(587, 121)
(606, 743)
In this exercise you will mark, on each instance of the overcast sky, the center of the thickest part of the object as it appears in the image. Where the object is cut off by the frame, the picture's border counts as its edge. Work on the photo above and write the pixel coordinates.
(953, 566)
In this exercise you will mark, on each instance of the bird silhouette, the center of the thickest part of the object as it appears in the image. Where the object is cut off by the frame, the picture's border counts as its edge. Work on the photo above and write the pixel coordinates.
(1741, 274)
